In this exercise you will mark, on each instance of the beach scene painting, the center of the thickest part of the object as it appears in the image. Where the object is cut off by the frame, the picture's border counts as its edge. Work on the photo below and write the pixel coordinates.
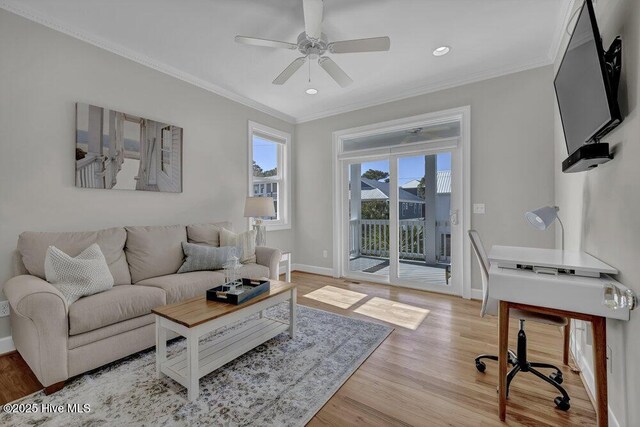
(120, 151)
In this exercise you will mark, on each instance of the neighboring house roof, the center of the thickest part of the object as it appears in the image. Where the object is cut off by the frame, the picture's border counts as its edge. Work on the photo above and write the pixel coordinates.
(411, 184)
(376, 190)
(443, 179)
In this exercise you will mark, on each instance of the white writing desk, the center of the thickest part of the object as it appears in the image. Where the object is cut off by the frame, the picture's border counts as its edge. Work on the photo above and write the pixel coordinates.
(567, 295)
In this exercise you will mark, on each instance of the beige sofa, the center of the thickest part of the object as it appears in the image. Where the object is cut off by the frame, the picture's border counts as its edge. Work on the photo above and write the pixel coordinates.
(59, 341)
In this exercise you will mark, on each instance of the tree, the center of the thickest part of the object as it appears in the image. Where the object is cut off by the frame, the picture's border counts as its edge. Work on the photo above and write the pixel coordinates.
(421, 188)
(258, 171)
(376, 175)
(375, 209)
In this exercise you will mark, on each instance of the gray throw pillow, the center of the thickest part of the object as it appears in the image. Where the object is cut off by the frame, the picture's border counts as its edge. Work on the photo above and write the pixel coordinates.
(203, 257)
(80, 276)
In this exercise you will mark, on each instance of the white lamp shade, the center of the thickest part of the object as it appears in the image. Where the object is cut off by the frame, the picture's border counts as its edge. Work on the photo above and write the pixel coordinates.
(257, 207)
(542, 218)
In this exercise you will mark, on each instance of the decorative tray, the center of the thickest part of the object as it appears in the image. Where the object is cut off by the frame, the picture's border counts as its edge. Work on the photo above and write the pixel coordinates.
(238, 292)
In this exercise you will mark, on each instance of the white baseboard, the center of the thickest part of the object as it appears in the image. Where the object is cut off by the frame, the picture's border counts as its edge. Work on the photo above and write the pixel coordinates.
(588, 380)
(323, 271)
(6, 345)
(476, 294)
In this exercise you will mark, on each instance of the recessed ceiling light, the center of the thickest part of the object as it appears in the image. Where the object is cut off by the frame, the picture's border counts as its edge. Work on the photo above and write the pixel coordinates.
(311, 91)
(441, 51)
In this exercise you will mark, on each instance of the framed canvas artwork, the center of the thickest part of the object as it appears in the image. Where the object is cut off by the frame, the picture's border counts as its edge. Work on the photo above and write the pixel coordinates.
(120, 151)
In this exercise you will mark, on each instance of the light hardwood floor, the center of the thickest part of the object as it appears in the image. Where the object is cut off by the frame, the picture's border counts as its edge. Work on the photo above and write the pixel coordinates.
(420, 377)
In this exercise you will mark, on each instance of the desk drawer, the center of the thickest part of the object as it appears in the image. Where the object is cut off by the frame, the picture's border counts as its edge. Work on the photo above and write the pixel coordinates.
(563, 292)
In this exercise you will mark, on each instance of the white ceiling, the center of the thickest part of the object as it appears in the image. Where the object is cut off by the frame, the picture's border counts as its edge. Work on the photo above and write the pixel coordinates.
(194, 40)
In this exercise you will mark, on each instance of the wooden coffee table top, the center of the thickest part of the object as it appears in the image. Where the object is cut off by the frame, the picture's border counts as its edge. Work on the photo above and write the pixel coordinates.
(198, 310)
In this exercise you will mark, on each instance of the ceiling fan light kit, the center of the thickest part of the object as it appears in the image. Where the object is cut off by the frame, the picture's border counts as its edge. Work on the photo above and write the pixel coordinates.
(313, 44)
(441, 51)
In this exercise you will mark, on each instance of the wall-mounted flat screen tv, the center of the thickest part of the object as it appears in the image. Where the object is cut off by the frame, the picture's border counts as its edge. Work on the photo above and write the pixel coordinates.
(586, 85)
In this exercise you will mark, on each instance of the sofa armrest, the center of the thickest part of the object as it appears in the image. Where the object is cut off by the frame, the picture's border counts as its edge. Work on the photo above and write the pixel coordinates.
(269, 257)
(21, 292)
(39, 326)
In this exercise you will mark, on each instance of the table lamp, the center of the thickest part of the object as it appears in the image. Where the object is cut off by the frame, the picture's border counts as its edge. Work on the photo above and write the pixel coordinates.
(542, 218)
(257, 208)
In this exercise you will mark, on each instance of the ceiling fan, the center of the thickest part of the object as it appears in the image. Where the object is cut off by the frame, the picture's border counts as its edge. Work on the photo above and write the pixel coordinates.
(313, 44)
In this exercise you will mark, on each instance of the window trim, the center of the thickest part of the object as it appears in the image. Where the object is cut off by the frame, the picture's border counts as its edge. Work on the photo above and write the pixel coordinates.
(284, 191)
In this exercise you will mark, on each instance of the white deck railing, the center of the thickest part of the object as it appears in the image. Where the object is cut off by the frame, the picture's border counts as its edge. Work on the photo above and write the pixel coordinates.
(371, 237)
(89, 172)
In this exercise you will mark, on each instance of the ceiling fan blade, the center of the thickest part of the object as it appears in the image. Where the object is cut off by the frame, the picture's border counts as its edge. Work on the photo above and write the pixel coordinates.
(375, 44)
(265, 43)
(313, 10)
(334, 71)
(288, 72)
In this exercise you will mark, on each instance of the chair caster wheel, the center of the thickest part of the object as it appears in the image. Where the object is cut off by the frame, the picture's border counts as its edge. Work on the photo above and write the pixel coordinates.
(557, 377)
(562, 403)
(480, 366)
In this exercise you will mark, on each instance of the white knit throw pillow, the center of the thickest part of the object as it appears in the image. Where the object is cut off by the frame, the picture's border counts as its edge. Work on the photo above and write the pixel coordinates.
(86, 274)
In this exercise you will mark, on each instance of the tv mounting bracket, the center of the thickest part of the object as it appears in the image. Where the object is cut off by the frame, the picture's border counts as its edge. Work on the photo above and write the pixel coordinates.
(613, 63)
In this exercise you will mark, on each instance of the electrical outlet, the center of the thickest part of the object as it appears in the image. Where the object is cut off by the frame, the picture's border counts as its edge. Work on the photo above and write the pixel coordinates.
(478, 208)
(325, 253)
(4, 308)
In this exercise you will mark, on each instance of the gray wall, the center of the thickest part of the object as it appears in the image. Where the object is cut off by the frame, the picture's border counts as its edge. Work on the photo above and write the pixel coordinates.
(42, 74)
(512, 160)
(601, 208)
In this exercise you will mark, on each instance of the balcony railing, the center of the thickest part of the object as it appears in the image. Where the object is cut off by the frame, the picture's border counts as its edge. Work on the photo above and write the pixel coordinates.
(89, 173)
(371, 237)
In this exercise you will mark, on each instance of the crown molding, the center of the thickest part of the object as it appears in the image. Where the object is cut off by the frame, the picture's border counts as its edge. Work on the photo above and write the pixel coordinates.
(28, 13)
(15, 7)
(426, 89)
(563, 22)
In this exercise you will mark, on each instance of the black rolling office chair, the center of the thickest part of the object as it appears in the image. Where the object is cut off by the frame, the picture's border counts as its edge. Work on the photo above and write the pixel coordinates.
(518, 361)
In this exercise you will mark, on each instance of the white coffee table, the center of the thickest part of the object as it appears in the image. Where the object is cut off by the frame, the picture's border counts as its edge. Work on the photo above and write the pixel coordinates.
(198, 317)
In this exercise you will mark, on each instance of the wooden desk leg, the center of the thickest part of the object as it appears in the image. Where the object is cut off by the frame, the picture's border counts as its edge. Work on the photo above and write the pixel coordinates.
(599, 325)
(567, 339)
(503, 348)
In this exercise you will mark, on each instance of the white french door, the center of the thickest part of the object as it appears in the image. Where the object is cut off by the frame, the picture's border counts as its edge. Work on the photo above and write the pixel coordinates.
(401, 208)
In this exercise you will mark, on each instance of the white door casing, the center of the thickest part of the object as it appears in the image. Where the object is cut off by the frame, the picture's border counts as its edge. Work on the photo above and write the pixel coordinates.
(460, 202)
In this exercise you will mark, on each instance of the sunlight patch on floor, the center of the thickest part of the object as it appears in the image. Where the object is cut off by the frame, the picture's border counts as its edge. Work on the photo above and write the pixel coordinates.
(404, 315)
(341, 298)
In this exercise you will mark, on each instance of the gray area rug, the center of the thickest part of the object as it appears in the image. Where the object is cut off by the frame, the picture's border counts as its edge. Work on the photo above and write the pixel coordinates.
(283, 382)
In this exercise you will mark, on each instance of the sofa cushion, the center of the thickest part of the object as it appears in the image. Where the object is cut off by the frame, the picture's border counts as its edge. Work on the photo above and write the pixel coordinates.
(180, 287)
(115, 305)
(154, 251)
(33, 247)
(100, 334)
(204, 234)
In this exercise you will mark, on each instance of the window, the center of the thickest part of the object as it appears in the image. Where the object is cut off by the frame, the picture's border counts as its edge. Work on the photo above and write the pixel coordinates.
(269, 171)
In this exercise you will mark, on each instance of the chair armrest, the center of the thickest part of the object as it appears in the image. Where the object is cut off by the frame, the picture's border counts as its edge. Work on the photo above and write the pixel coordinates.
(39, 326)
(269, 257)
